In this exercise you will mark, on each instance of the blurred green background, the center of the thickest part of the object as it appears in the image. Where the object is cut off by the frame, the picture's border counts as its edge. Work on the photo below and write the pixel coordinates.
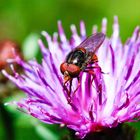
(19, 18)
(23, 20)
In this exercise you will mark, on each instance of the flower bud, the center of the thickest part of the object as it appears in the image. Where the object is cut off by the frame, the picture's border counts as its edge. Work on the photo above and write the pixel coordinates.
(8, 50)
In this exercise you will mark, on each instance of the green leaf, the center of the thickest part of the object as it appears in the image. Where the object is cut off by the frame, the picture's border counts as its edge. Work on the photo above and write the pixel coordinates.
(45, 133)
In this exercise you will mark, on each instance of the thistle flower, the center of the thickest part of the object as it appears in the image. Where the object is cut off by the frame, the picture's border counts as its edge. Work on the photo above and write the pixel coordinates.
(116, 84)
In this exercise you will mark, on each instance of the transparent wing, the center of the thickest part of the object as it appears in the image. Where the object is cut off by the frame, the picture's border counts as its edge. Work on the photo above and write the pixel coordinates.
(93, 42)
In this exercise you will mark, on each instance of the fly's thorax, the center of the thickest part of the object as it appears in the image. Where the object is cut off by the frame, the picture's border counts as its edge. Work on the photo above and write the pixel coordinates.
(76, 57)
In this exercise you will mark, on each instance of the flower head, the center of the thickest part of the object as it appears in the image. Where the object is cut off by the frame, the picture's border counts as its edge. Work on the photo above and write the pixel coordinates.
(109, 98)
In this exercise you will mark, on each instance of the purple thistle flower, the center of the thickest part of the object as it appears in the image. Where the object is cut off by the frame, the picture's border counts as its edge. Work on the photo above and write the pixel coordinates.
(110, 99)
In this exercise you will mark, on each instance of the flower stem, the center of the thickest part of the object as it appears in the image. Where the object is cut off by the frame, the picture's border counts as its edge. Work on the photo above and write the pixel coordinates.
(7, 123)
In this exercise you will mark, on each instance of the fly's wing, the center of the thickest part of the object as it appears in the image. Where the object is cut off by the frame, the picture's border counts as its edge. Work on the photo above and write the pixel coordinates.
(93, 42)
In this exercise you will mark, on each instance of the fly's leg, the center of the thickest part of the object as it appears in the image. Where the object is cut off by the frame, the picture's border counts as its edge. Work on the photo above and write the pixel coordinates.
(68, 89)
(65, 86)
(78, 79)
(96, 67)
(98, 86)
(70, 86)
(90, 71)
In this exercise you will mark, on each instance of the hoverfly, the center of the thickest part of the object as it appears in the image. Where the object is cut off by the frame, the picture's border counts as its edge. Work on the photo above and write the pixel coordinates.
(81, 58)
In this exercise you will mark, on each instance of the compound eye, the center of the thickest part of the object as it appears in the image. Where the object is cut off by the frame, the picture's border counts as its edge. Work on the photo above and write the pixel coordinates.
(73, 70)
(63, 67)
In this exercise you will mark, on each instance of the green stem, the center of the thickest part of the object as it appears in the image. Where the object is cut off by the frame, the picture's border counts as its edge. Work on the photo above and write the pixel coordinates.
(7, 122)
